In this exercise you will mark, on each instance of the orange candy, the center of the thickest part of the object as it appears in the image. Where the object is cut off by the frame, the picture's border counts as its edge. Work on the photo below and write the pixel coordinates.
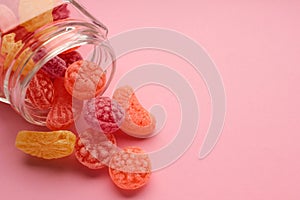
(138, 121)
(130, 169)
(60, 115)
(93, 143)
(84, 80)
(47, 145)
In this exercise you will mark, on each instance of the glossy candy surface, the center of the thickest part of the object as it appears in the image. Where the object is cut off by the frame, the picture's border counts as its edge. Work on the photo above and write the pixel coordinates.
(103, 114)
(130, 169)
(84, 80)
(94, 149)
(138, 121)
(40, 91)
(70, 57)
(61, 113)
(47, 145)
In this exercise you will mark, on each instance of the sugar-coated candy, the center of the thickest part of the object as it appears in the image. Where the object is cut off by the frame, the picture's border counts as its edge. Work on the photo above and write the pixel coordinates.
(37, 22)
(130, 168)
(20, 33)
(8, 18)
(55, 67)
(35, 13)
(60, 115)
(10, 48)
(24, 61)
(47, 145)
(40, 91)
(103, 114)
(70, 57)
(84, 80)
(60, 12)
(94, 149)
(138, 121)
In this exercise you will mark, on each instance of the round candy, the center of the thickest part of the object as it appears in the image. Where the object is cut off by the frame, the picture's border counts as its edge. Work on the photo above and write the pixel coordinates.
(47, 145)
(94, 149)
(84, 80)
(40, 91)
(103, 114)
(130, 169)
(138, 121)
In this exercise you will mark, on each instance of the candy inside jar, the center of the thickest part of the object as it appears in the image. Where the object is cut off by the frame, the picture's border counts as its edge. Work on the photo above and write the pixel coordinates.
(46, 43)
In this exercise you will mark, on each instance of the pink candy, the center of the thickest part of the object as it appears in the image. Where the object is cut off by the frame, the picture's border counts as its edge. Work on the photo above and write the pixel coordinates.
(103, 113)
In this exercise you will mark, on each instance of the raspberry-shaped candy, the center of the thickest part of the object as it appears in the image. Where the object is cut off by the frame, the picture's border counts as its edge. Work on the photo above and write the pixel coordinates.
(104, 114)
(56, 67)
(130, 169)
(84, 80)
(47, 145)
(138, 121)
(94, 149)
(40, 91)
(70, 57)
(60, 12)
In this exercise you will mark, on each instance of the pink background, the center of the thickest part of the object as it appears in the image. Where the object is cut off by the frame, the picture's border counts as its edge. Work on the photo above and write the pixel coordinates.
(256, 46)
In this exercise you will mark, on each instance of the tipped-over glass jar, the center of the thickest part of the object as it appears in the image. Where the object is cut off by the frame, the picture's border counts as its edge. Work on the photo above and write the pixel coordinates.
(46, 37)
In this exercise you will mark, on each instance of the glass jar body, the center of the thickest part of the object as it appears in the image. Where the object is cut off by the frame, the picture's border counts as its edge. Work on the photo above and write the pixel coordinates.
(33, 40)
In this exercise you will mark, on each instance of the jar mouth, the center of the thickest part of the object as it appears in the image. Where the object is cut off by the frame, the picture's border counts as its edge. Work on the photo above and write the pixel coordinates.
(54, 39)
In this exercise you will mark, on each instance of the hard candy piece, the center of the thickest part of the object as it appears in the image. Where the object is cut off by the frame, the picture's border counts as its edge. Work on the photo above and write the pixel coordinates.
(47, 145)
(24, 62)
(138, 121)
(60, 115)
(56, 67)
(20, 33)
(60, 12)
(103, 114)
(70, 57)
(84, 80)
(35, 13)
(10, 48)
(130, 169)
(94, 149)
(40, 91)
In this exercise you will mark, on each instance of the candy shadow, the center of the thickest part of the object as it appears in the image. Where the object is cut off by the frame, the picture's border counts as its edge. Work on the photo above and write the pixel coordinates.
(129, 193)
(63, 165)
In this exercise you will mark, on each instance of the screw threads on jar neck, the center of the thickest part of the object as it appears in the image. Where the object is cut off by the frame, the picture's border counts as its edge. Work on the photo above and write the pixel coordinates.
(52, 40)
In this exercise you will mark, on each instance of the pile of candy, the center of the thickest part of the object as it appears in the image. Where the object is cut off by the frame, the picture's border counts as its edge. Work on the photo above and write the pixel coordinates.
(67, 86)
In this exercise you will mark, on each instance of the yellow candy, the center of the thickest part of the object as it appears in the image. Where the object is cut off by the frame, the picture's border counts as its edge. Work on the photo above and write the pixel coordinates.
(21, 61)
(10, 48)
(38, 21)
(47, 145)
(35, 13)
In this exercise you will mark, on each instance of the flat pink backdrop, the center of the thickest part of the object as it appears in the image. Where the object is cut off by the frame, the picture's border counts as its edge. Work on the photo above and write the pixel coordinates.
(256, 46)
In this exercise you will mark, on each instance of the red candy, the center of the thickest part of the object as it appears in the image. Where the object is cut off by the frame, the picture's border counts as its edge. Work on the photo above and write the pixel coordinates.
(56, 67)
(60, 12)
(130, 169)
(84, 80)
(21, 33)
(61, 114)
(70, 57)
(94, 149)
(40, 91)
(103, 113)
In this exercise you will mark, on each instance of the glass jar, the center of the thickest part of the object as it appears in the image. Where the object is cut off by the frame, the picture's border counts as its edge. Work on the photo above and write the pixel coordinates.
(53, 27)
